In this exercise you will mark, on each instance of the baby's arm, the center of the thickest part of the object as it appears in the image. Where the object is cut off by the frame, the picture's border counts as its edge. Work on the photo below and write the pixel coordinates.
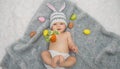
(71, 44)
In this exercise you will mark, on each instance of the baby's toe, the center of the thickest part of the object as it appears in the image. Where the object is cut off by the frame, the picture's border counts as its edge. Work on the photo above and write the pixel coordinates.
(53, 65)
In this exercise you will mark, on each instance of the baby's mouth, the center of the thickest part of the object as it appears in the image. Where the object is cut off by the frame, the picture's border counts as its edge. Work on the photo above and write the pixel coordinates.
(58, 29)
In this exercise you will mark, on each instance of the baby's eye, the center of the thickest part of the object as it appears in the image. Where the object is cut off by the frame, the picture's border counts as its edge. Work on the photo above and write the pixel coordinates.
(61, 23)
(54, 24)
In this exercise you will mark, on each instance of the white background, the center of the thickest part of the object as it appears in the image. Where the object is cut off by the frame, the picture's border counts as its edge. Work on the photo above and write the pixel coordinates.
(16, 14)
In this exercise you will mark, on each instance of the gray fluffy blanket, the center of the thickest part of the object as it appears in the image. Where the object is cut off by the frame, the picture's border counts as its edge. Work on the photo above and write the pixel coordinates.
(98, 50)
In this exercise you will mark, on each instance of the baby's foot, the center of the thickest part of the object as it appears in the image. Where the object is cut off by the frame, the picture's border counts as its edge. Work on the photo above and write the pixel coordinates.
(55, 61)
(61, 59)
(62, 64)
(53, 65)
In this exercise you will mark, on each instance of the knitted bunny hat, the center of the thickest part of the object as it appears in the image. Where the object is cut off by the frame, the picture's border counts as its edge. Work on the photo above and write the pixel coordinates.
(57, 16)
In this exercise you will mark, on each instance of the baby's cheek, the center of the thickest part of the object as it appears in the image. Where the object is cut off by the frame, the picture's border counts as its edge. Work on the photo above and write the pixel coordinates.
(53, 27)
(64, 27)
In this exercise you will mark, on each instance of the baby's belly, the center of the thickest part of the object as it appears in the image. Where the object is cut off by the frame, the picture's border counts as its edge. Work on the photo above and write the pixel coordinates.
(59, 48)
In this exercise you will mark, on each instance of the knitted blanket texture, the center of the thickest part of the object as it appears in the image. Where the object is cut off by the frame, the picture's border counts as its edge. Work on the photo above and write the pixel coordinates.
(99, 49)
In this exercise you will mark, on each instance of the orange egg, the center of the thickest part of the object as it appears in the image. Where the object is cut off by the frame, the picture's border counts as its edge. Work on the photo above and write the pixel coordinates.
(53, 38)
(32, 34)
(71, 25)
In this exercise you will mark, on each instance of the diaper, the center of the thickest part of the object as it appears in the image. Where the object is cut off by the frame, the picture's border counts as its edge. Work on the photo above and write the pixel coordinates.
(55, 53)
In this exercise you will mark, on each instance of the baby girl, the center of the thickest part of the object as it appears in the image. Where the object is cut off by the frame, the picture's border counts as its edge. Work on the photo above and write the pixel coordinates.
(57, 56)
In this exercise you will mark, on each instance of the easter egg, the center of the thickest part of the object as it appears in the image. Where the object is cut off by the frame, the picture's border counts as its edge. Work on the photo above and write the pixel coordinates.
(71, 25)
(73, 17)
(53, 38)
(87, 31)
(45, 32)
(41, 19)
(32, 33)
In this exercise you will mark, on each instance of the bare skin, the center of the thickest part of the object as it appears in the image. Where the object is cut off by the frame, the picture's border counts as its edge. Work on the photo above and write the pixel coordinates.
(64, 44)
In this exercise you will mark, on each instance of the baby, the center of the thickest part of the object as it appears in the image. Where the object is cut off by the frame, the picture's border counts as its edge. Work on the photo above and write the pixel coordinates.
(57, 56)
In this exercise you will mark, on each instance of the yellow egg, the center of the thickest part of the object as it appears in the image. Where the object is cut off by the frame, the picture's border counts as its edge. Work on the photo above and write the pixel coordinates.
(87, 31)
(45, 32)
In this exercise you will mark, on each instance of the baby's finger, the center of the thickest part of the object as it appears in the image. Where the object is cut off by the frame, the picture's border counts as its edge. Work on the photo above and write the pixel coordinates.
(73, 49)
(76, 50)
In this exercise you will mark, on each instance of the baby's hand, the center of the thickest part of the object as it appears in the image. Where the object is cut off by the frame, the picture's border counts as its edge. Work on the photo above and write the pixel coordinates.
(74, 49)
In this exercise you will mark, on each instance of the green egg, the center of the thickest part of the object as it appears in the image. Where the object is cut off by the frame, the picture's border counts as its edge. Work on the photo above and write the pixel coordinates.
(73, 17)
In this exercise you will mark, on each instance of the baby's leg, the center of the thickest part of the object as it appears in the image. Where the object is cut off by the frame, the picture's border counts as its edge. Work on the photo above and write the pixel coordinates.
(46, 57)
(70, 61)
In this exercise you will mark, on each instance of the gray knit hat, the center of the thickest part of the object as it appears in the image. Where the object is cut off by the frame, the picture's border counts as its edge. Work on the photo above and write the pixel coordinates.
(57, 16)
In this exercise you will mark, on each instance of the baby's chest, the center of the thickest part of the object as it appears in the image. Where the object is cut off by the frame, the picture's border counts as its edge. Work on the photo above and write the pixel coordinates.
(61, 38)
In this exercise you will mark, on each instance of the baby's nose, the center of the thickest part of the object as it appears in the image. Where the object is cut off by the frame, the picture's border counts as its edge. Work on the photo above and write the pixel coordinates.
(58, 25)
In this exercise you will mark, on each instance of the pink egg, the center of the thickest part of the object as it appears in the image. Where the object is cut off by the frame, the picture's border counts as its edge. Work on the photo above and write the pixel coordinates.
(42, 19)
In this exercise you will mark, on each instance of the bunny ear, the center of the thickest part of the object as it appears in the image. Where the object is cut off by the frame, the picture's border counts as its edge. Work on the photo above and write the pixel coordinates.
(63, 7)
(51, 7)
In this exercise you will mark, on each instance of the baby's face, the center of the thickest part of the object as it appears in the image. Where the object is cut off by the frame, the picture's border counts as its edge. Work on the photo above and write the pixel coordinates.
(59, 26)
